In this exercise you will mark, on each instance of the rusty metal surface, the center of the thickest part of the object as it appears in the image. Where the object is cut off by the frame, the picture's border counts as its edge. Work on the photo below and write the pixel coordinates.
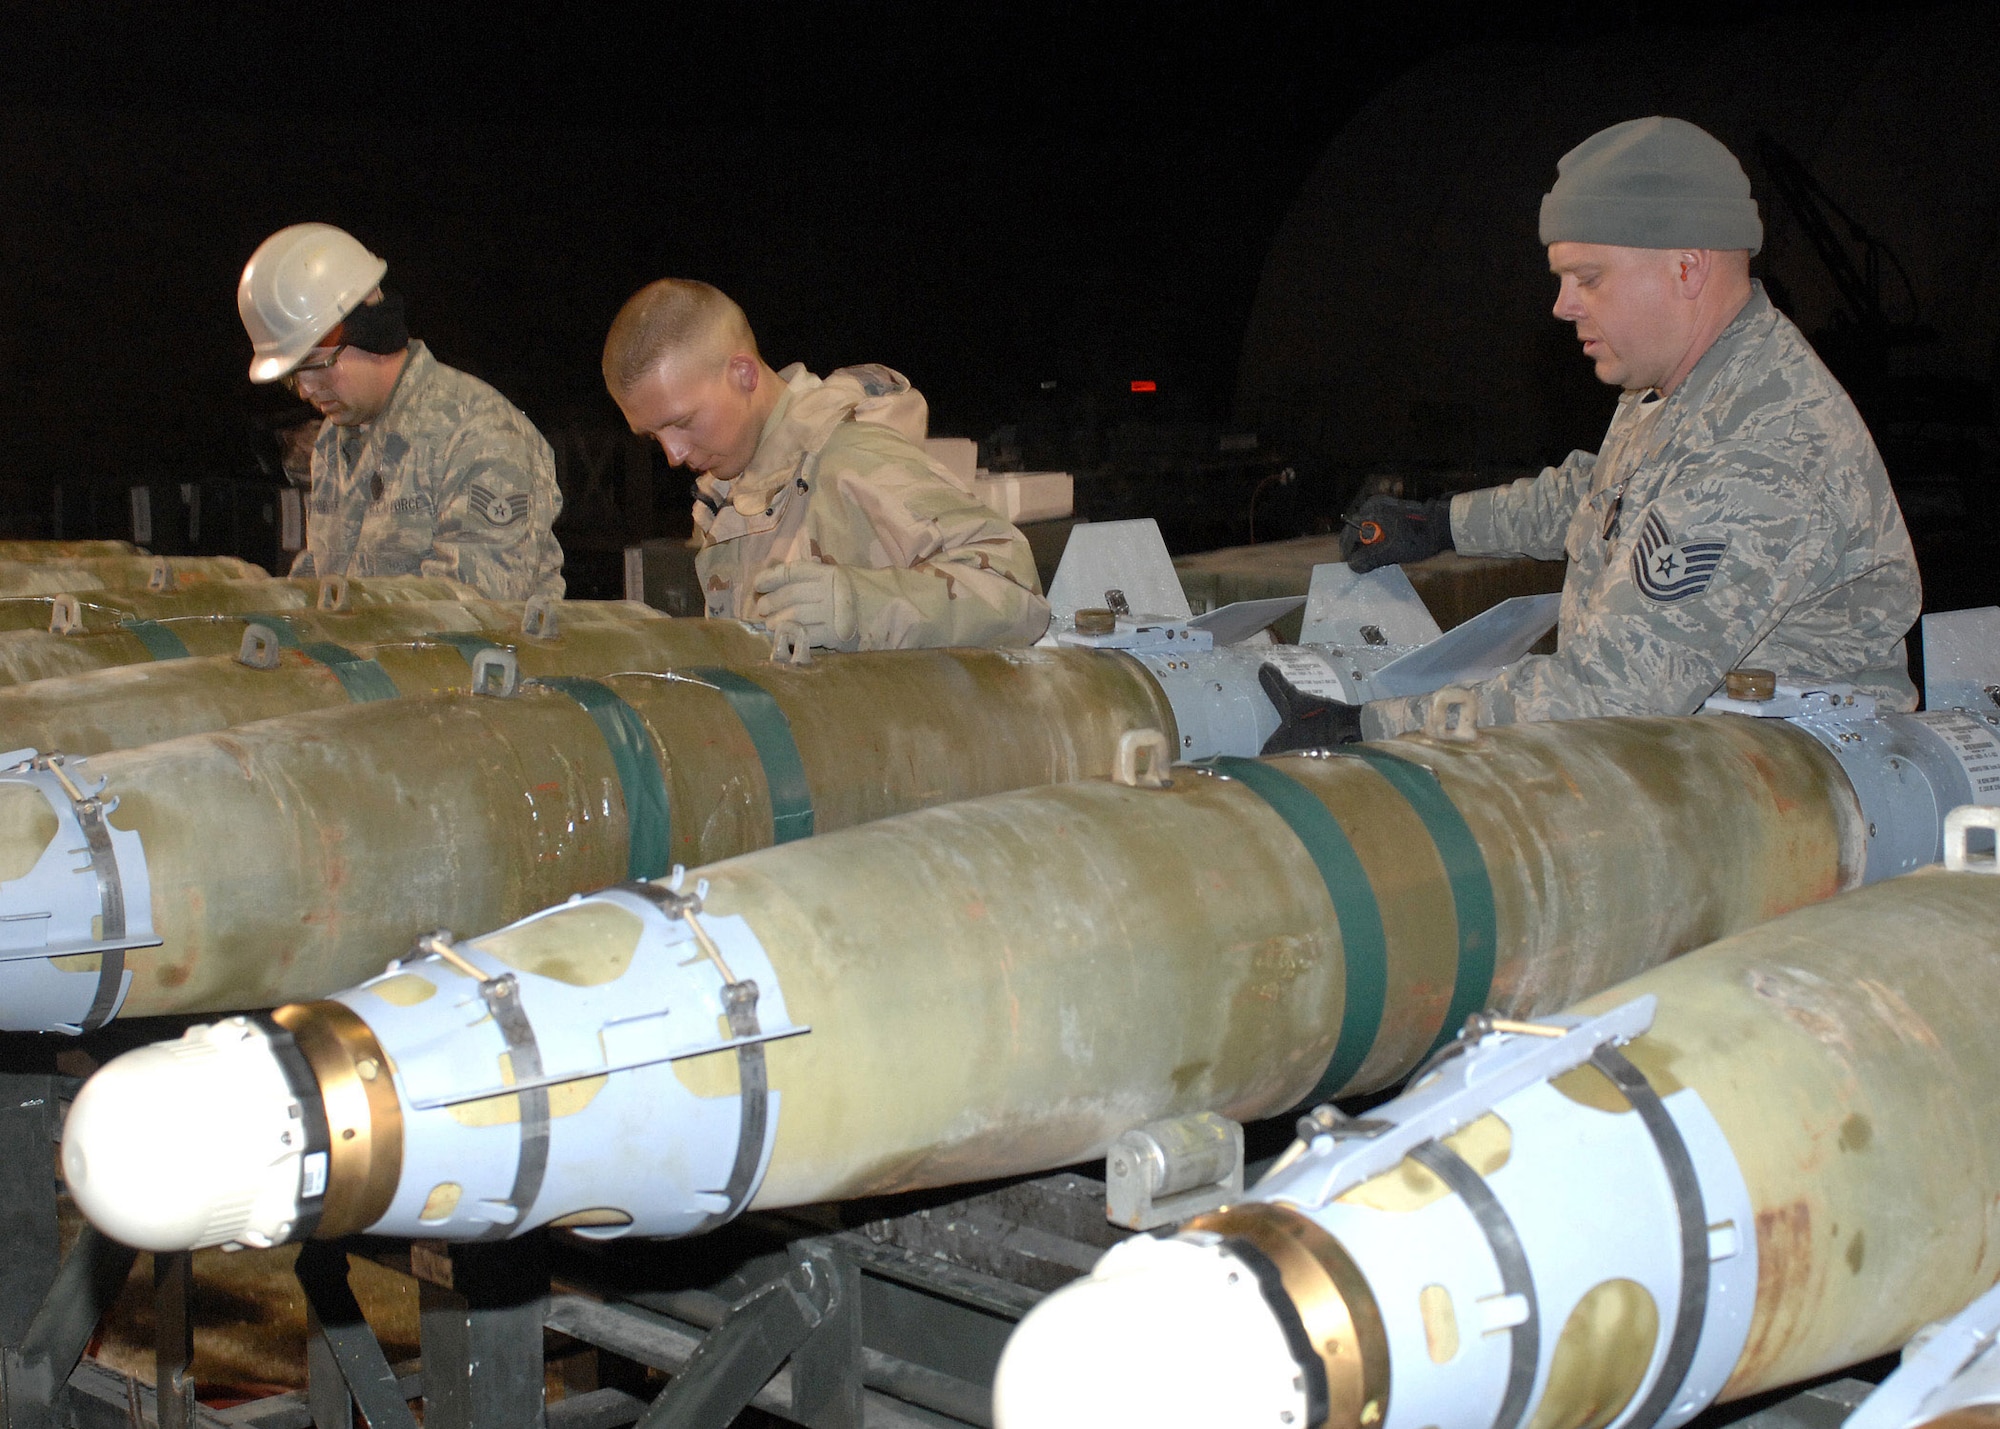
(137, 704)
(292, 857)
(30, 655)
(103, 609)
(63, 550)
(1008, 984)
(1847, 1052)
(43, 576)
(1666, 834)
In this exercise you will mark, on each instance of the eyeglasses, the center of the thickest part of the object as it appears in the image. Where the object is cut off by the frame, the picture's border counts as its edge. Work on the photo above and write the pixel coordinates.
(322, 363)
(317, 364)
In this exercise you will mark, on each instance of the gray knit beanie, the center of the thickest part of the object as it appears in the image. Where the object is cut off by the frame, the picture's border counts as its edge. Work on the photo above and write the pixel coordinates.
(1652, 183)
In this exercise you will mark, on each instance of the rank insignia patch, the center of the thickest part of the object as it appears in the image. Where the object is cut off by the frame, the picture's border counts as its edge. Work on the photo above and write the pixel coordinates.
(499, 510)
(1667, 570)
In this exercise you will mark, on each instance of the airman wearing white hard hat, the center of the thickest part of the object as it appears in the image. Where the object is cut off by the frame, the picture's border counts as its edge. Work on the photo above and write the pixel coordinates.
(295, 290)
(419, 469)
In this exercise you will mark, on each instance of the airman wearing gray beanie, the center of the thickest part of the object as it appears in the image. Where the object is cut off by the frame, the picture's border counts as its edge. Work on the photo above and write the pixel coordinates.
(1737, 513)
(1652, 183)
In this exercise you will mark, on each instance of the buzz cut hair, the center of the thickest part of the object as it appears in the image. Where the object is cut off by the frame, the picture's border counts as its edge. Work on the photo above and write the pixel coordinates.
(673, 317)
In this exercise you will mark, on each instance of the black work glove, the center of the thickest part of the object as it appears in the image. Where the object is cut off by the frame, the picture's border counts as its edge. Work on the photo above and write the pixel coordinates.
(1306, 721)
(1387, 531)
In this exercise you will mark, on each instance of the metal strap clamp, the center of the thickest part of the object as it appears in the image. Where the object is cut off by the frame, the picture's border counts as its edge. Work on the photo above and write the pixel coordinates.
(1516, 1279)
(739, 1006)
(1693, 1214)
(501, 994)
(123, 912)
(1494, 1058)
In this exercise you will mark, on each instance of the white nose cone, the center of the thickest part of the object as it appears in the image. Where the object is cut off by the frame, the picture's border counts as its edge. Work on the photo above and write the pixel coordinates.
(1172, 1334)
(193, 1143)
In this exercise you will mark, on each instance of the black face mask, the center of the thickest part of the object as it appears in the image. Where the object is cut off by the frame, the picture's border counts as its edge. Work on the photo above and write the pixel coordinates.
(377, 328)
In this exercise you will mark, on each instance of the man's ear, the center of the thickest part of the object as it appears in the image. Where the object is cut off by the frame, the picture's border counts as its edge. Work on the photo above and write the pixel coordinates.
(744, 372)
(1695, 266)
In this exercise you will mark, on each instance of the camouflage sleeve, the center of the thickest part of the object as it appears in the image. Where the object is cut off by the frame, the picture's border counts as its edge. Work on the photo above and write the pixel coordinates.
(1702, 575)
(948, 570)
(495, 508)
(1529, 517)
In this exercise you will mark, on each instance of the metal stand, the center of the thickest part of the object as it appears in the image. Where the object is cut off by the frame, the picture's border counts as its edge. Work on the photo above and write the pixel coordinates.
(47, 1313)
(481, 1317)
(345, 1366)
(896, 1324)
(27, 1201)
(811, 1316)
(173, 1339)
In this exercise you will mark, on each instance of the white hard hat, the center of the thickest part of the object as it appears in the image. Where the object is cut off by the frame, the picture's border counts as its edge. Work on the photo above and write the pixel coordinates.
(296, 288)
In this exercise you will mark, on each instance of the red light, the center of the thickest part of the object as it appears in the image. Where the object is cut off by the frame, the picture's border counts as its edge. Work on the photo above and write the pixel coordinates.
(1143, 384)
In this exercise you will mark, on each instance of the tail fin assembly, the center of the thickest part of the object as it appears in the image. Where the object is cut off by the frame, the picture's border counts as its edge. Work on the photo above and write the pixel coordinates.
(1476, 650)
(1962, 660)
(1372, 633)
(1120, 566)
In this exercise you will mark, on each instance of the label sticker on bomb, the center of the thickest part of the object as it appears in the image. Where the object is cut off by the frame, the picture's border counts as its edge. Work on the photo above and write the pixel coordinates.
(312, 1175)
(1976, 746)
(1306, 670)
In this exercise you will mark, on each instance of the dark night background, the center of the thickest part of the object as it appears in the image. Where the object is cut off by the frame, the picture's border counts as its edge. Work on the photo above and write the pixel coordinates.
(1309, 224)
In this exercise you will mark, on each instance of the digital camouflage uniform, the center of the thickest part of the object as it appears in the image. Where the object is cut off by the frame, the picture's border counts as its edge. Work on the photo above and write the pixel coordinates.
(838, 478)
(1750, 524)
(451, 480)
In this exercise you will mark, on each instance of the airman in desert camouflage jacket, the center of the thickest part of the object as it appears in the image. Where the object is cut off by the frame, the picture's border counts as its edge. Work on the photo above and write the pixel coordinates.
(1745, 520)
(451, 480)
(838, 478)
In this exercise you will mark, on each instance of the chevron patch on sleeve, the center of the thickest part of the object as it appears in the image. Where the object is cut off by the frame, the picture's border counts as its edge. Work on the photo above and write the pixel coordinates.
(1669, 571)
(500, 510)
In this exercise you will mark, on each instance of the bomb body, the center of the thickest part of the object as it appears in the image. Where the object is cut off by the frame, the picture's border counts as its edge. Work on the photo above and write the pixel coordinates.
(63, 608)
(289, 664)
(125, 639)
(1008, 984)
(1753, 1165)
(39, 551)
(51, 575)
(290, 857)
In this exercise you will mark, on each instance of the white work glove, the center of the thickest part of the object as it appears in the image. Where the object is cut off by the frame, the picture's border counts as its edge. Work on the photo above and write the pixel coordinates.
(806, 603)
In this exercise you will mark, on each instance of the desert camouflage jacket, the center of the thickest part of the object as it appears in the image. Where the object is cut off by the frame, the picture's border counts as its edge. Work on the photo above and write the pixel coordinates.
(1745, 520)
(838, 477)
(451, 480)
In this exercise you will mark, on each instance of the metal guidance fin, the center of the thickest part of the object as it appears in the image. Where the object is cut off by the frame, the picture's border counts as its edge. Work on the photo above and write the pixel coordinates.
(1962, 660)
(1241, 619)
(1129, 557)
(1379, 608)
(1476, 650)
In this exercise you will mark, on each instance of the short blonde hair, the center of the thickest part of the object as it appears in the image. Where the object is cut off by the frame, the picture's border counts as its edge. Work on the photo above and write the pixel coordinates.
(671, 317)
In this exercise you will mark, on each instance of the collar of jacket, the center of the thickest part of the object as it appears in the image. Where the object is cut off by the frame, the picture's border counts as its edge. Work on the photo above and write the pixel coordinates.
(416, 367)
(806, 417)
(1750, 323)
